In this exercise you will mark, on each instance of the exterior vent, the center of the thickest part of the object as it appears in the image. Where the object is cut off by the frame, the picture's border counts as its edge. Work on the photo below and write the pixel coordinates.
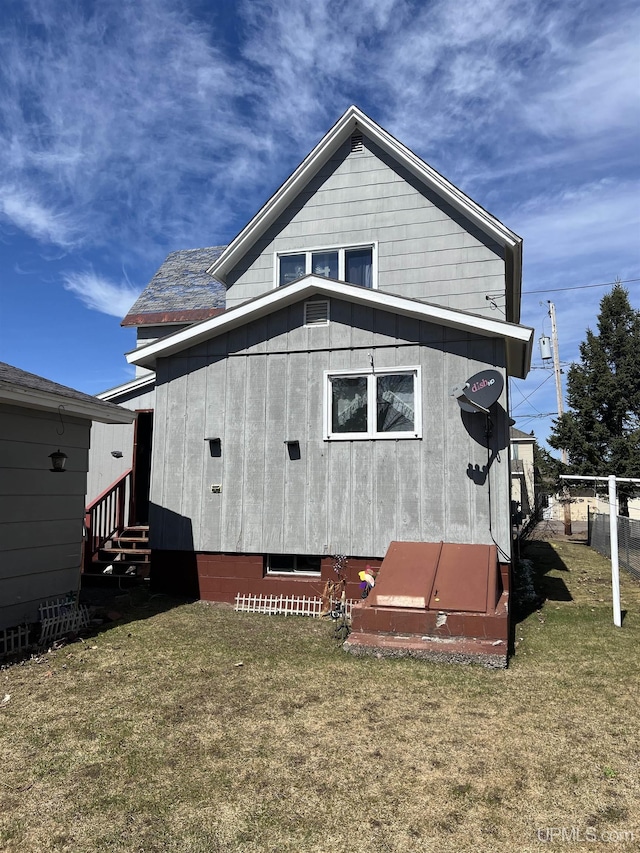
(357, 143)
(316, 312)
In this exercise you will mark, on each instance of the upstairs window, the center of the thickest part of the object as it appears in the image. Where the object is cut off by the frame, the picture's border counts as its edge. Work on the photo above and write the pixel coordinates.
(354, 264)
(384, 404)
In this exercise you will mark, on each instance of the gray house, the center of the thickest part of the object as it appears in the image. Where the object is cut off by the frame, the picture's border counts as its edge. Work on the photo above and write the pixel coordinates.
(314, 415)
(41, 509)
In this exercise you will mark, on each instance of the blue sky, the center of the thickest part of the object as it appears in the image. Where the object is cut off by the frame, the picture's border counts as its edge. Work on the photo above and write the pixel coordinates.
(131, 130)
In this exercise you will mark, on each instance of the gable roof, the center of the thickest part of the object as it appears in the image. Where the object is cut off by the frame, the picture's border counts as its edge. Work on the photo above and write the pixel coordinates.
(518, 435)
(20, 388)
(518, 339)
(181, 291)
(355, 120)
(139, 384)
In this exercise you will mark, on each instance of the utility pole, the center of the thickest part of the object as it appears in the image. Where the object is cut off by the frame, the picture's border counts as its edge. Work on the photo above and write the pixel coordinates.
(566, 501)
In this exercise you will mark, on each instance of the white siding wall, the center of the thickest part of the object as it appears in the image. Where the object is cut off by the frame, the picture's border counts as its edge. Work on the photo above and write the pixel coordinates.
(425, 249)
(41, 513)
(349, 497)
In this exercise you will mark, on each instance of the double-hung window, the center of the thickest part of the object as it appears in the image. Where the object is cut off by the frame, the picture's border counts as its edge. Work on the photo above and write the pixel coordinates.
(379, 404)
(354, 265)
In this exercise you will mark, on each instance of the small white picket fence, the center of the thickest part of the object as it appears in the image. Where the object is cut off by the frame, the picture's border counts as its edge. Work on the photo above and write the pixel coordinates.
(60, 617)
(14, 641)
(288, 605)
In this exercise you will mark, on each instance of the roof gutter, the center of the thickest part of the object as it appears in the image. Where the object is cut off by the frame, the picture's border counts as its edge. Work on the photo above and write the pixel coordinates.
(106, 413)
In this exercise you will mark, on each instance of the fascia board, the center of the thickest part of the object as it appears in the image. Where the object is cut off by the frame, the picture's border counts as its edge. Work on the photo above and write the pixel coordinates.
(519, 355)
(514, 281)
(332, 140)
(284, 195)
(437, 182)
(32, 399)
(519, 337)
(134, 385)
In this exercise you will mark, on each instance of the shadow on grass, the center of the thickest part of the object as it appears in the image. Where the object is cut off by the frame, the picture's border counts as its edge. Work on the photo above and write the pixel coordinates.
(126, 601)
(109, 607)
(533, 584)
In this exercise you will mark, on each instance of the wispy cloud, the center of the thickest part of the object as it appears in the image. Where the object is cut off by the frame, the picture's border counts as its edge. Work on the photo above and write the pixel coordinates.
(151, 126)
(577, 222)
(120, 114)
(595, 85)
(100, 294)
(22, 209)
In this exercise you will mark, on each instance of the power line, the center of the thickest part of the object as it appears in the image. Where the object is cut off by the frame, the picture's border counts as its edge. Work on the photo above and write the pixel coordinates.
(512, 386)
(491, 299)
(582, 286)
(524, 399)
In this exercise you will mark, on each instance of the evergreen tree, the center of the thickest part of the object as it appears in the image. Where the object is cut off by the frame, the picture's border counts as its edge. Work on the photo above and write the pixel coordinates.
(547, 470)
(601, 429)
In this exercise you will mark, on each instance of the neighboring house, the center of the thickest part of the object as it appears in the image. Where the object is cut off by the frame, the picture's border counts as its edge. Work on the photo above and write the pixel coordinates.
(584, 502)
(523, 495)
(41, 511)
(314, 416)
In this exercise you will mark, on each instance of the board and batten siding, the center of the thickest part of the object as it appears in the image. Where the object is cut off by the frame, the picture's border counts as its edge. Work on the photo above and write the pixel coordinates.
(105, 469)
(263, 384)
(426, 250)
(41, 513)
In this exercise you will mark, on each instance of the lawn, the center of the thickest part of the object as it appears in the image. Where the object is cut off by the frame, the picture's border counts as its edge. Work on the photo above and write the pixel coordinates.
(189, 728)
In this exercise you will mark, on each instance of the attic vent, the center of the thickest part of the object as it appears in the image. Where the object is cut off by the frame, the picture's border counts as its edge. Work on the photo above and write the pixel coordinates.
(316, 312)
(356, 143)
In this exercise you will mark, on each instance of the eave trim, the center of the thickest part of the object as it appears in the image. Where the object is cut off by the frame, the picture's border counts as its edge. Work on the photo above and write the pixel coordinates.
(107, 413)
(518, 339)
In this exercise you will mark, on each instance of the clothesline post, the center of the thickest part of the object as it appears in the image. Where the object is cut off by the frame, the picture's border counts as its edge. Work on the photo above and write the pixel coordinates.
(615, 564)
(612, 481)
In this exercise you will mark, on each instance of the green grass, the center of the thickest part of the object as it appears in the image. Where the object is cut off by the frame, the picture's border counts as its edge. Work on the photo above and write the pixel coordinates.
(195, 729)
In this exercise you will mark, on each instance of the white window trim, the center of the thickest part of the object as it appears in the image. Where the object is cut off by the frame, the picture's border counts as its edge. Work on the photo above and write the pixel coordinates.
(340, 248)
(372, 434)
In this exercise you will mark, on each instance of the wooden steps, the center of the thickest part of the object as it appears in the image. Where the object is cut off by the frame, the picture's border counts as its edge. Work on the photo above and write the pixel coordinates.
(126, 554)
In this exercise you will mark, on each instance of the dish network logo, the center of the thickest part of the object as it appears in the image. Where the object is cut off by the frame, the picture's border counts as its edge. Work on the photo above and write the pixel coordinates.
(484, 383)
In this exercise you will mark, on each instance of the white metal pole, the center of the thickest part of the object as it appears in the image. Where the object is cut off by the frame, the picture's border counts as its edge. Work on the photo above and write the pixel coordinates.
(612, 480)
(615, 565)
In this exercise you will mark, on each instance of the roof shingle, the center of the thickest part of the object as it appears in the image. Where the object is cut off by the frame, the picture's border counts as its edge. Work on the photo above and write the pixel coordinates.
(15, 377)
(180, 291)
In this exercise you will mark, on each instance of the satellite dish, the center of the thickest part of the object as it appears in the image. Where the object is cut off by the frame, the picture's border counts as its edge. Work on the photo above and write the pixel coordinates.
(459, 392)
(480, 391)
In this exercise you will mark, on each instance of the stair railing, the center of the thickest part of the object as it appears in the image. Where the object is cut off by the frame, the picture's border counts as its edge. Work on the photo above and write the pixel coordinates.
(107, 516)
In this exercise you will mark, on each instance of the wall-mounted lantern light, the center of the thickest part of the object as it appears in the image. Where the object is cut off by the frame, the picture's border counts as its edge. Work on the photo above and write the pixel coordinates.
(117, 454)
(215, 446)
(293, 448)
(58, 460)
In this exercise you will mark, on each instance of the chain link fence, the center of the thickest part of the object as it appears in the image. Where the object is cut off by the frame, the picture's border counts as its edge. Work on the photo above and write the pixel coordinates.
(628, 540)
